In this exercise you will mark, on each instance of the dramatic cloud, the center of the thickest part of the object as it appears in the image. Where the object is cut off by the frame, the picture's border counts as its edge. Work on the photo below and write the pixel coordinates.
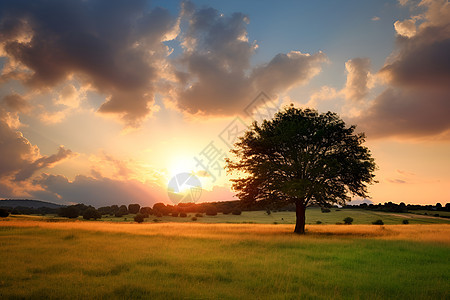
(417, 101)
(406, 28)
(46, 161)
(215, 73)
(19, 159)
(401, 112)
(115, 47)
(16, 103)
(100, 191)
(358, 76)
(16, 152)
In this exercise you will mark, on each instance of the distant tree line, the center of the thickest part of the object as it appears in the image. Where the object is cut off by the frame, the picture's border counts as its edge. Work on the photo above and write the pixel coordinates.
(89, 212)
(401, 208)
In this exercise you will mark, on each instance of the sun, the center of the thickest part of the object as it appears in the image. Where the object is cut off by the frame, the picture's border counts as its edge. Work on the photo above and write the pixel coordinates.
(180, 165)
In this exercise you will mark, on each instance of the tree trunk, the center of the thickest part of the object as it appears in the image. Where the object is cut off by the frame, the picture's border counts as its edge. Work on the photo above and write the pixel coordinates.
(301, 218)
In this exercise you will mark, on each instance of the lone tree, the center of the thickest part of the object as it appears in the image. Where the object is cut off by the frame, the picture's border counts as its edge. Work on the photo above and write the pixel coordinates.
(301, 157)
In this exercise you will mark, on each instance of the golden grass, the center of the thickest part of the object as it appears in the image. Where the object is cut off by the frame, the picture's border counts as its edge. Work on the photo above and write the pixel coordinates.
(423, 233)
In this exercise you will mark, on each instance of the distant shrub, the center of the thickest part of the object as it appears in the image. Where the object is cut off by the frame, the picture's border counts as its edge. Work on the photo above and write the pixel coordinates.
(378, 222)
(91, 213)
(123, 210)
(275, 223)
(325, 210)
(318, 222)
(183, 215)
(226, 210)
(337, 210)
(3, 213)
(134, 208)
(175, 214)
(194, 219)
(405, 222)
(236, 212)
(146, 210)
(199, 215)
(139, 218)
(69, 212)
(156, 220)
(348, 220)
(211, 211)
(268, 212)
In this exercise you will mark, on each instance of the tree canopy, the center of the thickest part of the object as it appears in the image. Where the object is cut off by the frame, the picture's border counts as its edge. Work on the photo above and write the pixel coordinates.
(301, 157)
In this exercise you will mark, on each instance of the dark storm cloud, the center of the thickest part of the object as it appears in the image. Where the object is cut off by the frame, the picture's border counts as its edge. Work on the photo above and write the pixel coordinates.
(408, 113)
(417, 101)
(112, 45)
(99, 191)
(217, 77)
(16, 103)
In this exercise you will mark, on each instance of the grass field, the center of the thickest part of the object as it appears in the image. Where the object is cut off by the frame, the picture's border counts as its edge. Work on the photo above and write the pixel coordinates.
(45, 260)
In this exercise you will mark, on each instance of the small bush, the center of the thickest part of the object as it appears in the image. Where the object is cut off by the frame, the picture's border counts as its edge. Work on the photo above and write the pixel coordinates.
(139, 218)
(156, 220)
(236, 212)
(211, 211)
(194, 219)
(275, 223)
(405, 222)
(91, 213)
(3, 213)
(199, 215)
(318, 222)
(348, 220)
(325, 210)
(378, 222)
(183, 215)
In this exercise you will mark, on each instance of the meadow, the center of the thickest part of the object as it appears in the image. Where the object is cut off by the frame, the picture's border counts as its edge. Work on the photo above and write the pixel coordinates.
(168, 260)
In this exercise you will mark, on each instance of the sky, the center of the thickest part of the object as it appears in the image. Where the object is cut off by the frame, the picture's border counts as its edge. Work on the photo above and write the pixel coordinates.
(107, 102)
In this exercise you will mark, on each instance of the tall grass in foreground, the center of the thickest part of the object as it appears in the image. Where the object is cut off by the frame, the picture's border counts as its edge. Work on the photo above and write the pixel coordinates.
(173, 261)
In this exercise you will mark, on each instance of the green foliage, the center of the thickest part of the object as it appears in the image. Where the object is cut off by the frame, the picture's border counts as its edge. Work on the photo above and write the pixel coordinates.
(134, 208)
(91, 213)
(146, 210)
(378, 222)
(405, 221)
(318, 222)
(301, 157)
(139, 218)
(348, 220)
(123, 210)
